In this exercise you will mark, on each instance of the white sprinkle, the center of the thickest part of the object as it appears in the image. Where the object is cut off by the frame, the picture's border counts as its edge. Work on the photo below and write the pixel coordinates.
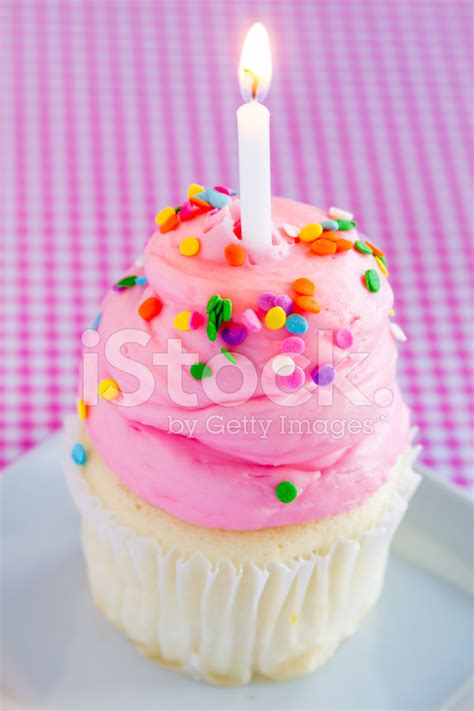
(339, 214)
(397, 332)
(140, 260)
(283, 365)
(290, 230)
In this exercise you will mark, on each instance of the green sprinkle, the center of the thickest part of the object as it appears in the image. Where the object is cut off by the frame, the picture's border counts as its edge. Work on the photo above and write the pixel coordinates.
(383, 260)
(363, 247)
(372, 280)
(200, 371)
(219, 308)
(211, 331)
(286, 492)
(229, 356)
(212, 303)
(177, 209)
(345, 225)
(227, 311)
(127, 281)
(212, 318)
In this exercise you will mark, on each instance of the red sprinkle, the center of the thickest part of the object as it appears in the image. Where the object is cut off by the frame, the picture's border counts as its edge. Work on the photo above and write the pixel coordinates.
(150, 308)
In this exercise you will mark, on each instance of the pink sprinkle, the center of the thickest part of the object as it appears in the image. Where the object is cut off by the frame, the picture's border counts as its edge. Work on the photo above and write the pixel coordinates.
(222, 189)
(195, 320)
(343, 338)
(187, 211)
(251, 321)
(293, 381)
(292, 344)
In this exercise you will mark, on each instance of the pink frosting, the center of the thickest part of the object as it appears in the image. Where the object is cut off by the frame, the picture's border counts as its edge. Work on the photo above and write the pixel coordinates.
(226, 473)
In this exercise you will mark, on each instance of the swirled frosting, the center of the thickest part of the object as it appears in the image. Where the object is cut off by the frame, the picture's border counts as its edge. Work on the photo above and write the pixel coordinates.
(217, 459)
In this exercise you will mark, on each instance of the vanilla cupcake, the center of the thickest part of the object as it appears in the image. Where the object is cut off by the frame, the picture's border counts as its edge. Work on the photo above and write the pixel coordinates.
(242, 456)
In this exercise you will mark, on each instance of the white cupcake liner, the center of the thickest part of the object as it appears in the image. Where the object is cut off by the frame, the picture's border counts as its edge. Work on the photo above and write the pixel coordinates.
(228, 624)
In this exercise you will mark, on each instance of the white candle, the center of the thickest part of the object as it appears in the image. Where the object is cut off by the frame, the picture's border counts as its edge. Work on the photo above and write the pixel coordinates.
(253, 122)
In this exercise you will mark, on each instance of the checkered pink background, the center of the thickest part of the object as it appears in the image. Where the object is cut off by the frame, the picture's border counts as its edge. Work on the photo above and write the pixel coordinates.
(110, 108)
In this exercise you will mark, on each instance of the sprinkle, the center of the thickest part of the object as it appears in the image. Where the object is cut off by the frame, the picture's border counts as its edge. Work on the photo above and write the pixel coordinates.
(286, 303)
(213, 197)
(194, 189)
(308, 304)
(283, 365)
(293, 619)
(188, 211)
(323, 247)
(226, 310)
(304, 286)
(190, 246)
(212, 303)
(195, 320)
(286, 492)
(82, 409)
(343, 338)
(391, 312)
(382, 265)
(211, 331)
(167, 219)
(362, 247)
(333, 236)
(181, 321)
(295, 323)
(343, 245)
(275, 318)
(310, 232)
(234, 335)
(150, 308)
(397, 332)
(78, 454)
(108, 389)
(229, 356)
(293, 381)
(237, 230)
(339, 214)
(290, 230)
(96, 321)
(292, 344)
(266, 300)
(200, 371)
(330, 225)
(141, 280)
(235, 255)
(378, 252)
(323, 375)
(126, 282)
(223, 189)
(140, 260)
(119, 288)
(345, 225)
(251, 321)
(372, 280)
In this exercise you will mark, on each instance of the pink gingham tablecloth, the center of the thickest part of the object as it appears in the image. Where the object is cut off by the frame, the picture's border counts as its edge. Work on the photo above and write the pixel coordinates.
(110, 108)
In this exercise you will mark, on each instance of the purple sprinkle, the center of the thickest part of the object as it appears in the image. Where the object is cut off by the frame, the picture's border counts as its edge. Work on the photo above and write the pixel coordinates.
(118, 288)
(292, 344)
(323, 374)
(266, 301)
(285, 302)
(343, 338)
(234, 335)
(293, 381)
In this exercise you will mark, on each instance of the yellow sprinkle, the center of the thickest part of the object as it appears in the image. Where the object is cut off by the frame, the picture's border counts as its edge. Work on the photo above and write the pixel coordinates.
(164, 215)
(109, 389)
(181, 322)
(195, 188)
(382, 266)
(391, 313)
(294, 618)
(310, 232)
(190, 246)
(275, 318)
(82, 410)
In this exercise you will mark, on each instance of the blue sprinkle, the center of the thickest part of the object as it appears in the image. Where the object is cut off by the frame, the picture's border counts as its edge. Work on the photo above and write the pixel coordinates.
(78, 454)
(96, 321)
(295, 323)
(330, 225)
(141, 280)
(214, 198)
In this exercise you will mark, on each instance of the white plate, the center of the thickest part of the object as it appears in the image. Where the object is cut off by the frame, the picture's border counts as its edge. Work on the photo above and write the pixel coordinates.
(414, 651)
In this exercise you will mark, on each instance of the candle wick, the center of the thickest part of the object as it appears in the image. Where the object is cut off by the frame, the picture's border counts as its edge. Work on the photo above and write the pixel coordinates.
(254, 83)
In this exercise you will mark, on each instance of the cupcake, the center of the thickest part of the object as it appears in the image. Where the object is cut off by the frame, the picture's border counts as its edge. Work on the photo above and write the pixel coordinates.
(242, 455)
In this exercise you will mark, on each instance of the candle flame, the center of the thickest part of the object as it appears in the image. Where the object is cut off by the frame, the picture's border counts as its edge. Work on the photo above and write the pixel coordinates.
(255, 67)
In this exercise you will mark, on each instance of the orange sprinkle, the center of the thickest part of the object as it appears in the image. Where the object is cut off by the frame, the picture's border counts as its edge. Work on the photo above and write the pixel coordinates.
(150, 308)
(377, 252)
(333, 236)
(343, 245)
(235, 254)
(304, 286)
(323, 247)
(171, 223)
(197, 201)
(308, 304)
